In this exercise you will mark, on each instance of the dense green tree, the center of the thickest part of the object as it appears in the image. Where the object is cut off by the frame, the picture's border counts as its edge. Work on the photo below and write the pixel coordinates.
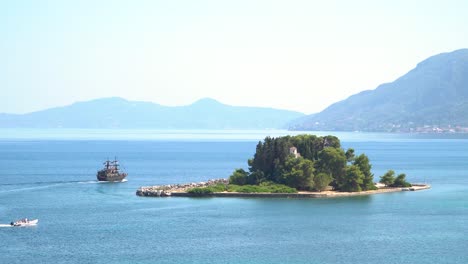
(353, 180)
(350, 155)
(362, 161)
(307, 145)
(332, 142)
(400, 181)
(332, 161)
(298, 173)
(270, 156)
(388, 178)
(256, 177)
(321, 181)
(239, 177)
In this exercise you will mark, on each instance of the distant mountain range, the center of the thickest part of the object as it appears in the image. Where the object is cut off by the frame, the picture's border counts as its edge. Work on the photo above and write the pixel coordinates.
(120, 113)
(431, 97)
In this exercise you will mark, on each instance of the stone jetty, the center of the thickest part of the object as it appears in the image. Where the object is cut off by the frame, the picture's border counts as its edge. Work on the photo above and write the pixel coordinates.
(168, 190)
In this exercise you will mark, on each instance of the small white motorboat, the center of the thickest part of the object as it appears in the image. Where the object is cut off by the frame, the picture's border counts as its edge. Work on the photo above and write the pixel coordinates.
(25, 222)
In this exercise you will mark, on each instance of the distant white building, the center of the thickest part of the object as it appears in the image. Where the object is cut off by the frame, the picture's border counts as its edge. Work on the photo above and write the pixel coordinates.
(293, 151)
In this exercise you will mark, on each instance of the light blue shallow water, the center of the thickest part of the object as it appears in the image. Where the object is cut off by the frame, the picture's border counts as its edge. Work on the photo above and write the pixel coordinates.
(82, 221)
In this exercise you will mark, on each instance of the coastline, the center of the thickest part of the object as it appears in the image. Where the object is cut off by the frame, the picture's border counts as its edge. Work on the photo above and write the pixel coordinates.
(181, 191)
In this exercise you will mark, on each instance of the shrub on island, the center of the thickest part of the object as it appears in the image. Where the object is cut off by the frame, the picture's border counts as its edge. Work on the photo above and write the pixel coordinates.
(265, 187)
(200, 191)
(400, 181)
(390, 180)
(217, 187)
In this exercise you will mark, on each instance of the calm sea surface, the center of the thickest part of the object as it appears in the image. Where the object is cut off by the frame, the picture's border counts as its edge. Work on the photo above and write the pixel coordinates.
(50, 175)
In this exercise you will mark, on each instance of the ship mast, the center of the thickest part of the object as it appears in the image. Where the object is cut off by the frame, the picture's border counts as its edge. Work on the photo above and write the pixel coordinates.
(116, 164)
(107, 164)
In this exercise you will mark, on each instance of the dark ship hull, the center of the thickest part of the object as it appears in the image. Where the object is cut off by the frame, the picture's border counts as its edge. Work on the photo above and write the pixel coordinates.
(111, 172)
(104, 175)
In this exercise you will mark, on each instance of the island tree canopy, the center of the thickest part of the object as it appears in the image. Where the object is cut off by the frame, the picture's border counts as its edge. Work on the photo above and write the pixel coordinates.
(319, 161)
(389, 179)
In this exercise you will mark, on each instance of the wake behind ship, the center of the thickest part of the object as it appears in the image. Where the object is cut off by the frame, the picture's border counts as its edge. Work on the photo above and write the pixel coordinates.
(111, 172)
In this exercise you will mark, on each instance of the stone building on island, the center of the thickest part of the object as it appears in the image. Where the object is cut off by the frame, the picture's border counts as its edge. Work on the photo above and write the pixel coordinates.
(293, 151)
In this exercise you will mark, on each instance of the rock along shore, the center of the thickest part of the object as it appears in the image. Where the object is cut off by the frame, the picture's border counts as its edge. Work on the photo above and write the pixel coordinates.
(168, 190)
(180, 190)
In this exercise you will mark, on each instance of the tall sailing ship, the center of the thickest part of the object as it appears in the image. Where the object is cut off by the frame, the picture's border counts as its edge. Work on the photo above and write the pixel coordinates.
(111, 172)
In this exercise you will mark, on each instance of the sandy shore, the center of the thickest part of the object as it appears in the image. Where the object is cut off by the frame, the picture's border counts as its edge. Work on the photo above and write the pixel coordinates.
(154, 192)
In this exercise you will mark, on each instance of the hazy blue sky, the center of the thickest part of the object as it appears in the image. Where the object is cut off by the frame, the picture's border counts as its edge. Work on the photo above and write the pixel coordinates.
(298, 55)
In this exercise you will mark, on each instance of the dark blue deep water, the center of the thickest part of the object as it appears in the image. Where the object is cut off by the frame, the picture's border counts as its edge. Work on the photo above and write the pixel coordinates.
(82, 221)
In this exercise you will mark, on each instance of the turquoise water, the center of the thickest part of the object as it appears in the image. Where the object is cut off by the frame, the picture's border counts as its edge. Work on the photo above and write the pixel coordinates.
(82, 221)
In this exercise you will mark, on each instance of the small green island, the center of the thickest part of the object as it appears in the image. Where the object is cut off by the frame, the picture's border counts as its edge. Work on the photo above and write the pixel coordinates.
(295, 166)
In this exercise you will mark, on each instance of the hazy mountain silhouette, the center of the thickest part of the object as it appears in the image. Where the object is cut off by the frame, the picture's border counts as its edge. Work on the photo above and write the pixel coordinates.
(120, 113)
(435, 93)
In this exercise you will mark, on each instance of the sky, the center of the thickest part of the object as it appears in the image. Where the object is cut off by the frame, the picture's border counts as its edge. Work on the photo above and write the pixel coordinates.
(291, 54)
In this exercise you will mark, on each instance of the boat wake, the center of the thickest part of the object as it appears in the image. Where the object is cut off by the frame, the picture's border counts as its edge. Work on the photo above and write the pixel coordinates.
(30, 188)
(88, 182)
(47, 182)
(43, 185)
(5, 225)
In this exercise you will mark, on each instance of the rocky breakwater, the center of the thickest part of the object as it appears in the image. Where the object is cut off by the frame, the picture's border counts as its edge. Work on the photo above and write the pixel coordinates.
(167, 190)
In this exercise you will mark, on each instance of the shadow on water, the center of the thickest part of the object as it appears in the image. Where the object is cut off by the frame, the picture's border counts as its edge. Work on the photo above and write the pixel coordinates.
(111, 188)
(364, 199)
(329, 200)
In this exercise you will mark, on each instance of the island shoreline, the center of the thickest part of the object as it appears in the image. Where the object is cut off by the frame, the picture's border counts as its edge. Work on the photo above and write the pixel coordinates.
(167, 191)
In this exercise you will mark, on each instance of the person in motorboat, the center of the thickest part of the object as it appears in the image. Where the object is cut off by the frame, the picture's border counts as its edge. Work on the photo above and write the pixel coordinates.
(24, 222)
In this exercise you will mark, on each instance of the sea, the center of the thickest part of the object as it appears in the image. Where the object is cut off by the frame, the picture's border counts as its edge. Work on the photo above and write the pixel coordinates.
(51, 175)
